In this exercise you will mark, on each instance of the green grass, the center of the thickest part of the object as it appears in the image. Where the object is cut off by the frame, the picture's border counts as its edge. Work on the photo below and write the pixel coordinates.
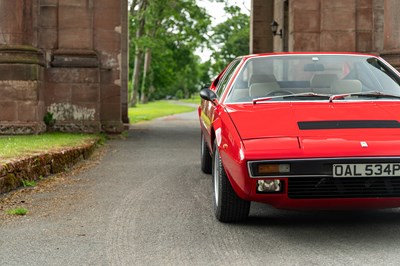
(151, 110)
(29, 183)
(17, 146)
(194, 99)
(17, 211)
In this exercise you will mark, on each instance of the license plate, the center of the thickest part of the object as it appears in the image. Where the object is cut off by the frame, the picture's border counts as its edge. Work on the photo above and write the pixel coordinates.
(366, 170)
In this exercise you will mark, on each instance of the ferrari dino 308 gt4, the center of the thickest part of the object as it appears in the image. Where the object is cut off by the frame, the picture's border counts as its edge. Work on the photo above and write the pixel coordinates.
(302, 131)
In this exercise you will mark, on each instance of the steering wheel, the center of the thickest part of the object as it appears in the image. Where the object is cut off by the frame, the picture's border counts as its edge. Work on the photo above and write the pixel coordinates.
(279, 93)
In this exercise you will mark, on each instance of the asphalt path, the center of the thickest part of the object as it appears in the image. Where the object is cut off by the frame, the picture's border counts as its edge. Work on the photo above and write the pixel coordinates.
(148, 203)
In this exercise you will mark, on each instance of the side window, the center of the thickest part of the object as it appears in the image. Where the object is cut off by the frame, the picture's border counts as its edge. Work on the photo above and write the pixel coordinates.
(226, 77)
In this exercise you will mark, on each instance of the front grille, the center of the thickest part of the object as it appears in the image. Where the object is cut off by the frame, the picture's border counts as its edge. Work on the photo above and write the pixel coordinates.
(329, 187)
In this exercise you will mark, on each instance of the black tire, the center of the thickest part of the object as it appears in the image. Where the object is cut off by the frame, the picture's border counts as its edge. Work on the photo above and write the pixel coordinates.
(228, 207)
(206, 160)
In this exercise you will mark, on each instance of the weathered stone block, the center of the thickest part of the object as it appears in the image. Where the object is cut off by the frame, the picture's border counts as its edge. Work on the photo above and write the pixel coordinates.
(338, 4)
(72, 75)
(74, 112)
(364, 42)
(48, 16)
(89, 93)
(8, 111)
(364, 19)
(300, 5)
(110, 94)
(109, 77)
(58, 92)
(306, 41)
(48, 38)
(107, 18)
(73, 17)
(364, 3)
(75, 38)
(110, 112)
(74, 3)
(19, 72)
(306, 21)
(105, 42)
(28, 111)
(48, 2)
(338, 41)
(338, 19)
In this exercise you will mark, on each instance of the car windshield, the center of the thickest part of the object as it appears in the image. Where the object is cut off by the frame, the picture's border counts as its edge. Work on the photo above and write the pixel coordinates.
(314, 78)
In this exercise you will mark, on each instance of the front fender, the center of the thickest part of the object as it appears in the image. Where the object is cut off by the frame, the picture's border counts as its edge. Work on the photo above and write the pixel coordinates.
(231, 149)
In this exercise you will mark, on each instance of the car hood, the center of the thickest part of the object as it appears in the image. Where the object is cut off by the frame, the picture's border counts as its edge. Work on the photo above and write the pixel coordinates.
(319, 128)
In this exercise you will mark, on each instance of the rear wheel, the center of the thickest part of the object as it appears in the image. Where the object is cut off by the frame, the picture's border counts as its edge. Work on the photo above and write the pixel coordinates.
(206, 160)
(228, 207)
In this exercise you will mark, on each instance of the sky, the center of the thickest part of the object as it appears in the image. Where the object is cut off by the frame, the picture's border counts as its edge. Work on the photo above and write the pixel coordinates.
(216, 11)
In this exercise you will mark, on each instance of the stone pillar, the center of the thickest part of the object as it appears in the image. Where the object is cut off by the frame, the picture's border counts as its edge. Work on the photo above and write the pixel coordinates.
(261, 39)
(378, 20)
(338, 25)
(124, 61)
(109, 41)
(364, 26)
(304, 25)
(21, 69)
(391, 44)
(73, 73)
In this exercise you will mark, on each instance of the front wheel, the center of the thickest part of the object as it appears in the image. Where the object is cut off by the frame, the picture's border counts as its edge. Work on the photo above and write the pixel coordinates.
(228, 207)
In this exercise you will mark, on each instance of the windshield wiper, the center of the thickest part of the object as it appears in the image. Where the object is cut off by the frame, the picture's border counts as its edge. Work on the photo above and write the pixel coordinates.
(302, 96)
(369, 94)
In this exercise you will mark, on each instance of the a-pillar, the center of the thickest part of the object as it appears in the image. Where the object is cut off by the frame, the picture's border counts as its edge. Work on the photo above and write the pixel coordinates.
(391, 28)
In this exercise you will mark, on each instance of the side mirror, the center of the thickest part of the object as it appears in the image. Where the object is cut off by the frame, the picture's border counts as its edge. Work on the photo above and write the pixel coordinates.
(208, 95)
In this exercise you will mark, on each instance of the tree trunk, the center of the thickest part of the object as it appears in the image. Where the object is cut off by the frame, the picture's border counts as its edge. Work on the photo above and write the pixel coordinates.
(145, 85)
(138, 54)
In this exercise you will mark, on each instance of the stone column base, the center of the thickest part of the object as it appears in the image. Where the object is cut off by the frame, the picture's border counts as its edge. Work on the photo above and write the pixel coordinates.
(77, 126)
(112, 127)
(20, 128)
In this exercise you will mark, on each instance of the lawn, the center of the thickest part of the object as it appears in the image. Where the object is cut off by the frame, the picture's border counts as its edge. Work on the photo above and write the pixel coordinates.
(156, 109)
(16, 146)
(19, 146)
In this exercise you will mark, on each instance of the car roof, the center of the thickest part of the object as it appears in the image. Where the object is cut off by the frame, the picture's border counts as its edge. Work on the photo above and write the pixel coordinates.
(304, 53)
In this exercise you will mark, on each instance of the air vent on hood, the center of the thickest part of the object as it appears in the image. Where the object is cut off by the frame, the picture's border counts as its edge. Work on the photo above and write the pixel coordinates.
(348, 124)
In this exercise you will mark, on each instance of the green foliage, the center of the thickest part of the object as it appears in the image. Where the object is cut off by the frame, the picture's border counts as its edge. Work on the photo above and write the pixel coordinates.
(172, 31)
(179, 94)
(29, 183)
(232, 37)
(49, 119)
(17, 211)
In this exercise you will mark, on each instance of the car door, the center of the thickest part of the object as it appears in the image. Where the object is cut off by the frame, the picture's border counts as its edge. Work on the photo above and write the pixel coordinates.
(208, 108)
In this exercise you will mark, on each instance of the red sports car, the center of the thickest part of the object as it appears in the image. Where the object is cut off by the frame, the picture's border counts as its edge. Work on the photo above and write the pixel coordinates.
(302, 131)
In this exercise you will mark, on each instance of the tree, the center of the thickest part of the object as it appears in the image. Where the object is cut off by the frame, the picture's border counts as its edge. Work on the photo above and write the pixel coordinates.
(140, 18)
(231, 38)
(166, 28)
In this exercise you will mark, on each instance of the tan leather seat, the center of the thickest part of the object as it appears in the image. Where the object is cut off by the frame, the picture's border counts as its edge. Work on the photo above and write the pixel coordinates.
(321, 83)
(346, 86)
(258, 90)
(261, 78)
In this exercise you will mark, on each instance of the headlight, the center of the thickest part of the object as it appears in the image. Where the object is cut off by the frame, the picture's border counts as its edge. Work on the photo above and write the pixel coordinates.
(257, 169)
